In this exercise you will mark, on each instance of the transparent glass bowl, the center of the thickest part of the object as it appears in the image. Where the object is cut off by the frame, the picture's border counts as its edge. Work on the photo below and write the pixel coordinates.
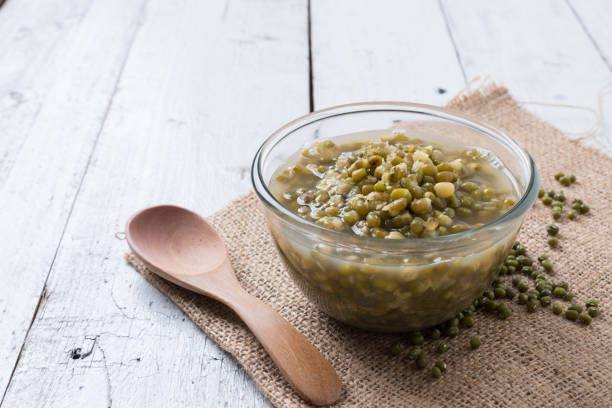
(392, 285)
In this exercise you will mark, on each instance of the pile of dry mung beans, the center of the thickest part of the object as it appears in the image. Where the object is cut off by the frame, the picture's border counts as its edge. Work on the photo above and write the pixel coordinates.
(541, 293)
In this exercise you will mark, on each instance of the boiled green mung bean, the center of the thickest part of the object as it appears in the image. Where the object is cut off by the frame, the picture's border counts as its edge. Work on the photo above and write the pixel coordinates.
(393, 184)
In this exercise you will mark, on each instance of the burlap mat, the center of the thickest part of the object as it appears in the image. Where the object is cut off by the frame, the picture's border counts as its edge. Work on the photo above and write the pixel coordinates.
(527, 360)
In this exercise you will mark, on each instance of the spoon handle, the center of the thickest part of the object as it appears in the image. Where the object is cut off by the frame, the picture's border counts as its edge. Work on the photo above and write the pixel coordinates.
(304, 367)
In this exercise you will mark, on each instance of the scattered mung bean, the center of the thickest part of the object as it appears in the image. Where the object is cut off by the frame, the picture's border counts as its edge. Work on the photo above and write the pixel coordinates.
(475, 342)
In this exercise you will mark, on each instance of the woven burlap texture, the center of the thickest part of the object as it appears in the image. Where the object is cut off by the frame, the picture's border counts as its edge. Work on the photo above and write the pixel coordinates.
(527, 360)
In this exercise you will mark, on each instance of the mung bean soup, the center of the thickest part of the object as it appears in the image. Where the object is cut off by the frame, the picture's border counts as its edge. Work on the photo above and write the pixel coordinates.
(394, 187)
(386, 185)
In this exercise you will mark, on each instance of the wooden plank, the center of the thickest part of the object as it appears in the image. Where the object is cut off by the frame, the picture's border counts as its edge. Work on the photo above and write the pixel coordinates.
(595, 17)
(55, 87)
(539, 50)
(390, 50)
(204, 84)
(32, 39)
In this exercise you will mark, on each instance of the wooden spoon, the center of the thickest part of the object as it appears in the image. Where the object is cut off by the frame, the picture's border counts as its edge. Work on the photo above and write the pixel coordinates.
(180, 246)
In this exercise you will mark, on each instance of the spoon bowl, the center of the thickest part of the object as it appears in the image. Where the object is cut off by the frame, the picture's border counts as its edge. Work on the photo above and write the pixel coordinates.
(182, 247)
(176, 240)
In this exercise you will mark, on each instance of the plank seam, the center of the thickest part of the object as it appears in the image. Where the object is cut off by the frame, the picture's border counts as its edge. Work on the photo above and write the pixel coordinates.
(43, 295)
(41, 299)
(310, 74)
(450, 34)
(588, 34)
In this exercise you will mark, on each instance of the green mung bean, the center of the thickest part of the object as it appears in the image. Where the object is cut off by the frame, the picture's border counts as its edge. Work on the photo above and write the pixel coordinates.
(532, 305)
(510, 293)
(435, 334)
(559, 292)
(475, 342)
(414, 353)
(397, 348)
(420, 362)
(441, 365)
(467, 321)
(435, 372)
(552, 230)
(576, 307)
(417, 339)
(593, 311)
(571, 314)
(504, 310)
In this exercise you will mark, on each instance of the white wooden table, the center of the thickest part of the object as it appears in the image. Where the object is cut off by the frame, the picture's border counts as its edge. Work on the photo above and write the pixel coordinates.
(108, 106)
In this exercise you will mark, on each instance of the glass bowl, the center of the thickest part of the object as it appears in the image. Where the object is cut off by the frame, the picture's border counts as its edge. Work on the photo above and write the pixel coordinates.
(392, 285)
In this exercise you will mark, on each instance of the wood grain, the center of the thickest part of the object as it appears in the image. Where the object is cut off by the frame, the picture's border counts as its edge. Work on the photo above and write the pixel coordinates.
(540, 51)
(594, 17)
(391, 50)
(204, 84)
(55, 90)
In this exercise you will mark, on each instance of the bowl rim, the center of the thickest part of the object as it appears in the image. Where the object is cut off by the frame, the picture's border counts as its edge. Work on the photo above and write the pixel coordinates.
(267, 198)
